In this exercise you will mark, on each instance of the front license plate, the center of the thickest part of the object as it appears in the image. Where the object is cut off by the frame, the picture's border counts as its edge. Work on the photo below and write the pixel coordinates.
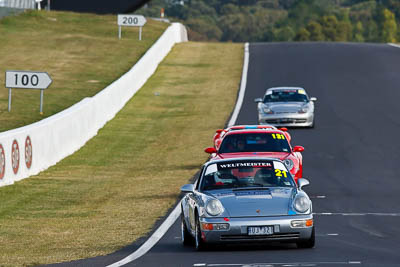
(260, 230)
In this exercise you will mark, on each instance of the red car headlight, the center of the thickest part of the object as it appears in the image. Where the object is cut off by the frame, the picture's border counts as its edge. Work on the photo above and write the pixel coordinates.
(288, 163)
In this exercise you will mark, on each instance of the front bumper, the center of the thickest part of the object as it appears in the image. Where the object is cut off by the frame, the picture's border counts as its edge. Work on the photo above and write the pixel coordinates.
(287, 119)
(237, 231)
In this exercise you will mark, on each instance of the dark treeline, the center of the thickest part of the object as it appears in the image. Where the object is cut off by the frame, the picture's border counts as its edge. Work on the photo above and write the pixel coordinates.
(283, 20)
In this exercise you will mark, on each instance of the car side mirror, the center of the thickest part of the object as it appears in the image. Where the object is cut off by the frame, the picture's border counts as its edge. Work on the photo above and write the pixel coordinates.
(298, 149)
(218, 131)
(313, 99)
(187, 188)
(302, 182)
(257, 100)
(210, 150)
(283, 129)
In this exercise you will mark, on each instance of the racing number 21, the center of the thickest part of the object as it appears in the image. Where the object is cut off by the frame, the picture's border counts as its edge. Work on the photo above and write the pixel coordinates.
(26, 80)
(280, 173)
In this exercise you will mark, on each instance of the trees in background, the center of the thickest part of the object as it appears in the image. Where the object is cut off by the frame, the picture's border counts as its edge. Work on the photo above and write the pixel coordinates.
(388, 25)
(284, 20)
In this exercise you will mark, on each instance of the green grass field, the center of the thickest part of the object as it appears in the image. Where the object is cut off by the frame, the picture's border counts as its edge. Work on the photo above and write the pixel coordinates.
(114, 189)
(81, 52)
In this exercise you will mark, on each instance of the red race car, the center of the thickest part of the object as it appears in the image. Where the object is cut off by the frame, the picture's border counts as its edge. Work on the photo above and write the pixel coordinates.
(219, 134)
(263, 142)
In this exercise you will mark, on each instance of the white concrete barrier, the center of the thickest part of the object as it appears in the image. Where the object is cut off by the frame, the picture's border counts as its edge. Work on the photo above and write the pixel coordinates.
(23, 4)
(28, 150)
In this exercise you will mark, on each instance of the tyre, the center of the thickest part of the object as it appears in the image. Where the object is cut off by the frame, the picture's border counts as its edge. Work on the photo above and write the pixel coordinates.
(309, 243)
(313, 124)
(186, 237)
(199, 242)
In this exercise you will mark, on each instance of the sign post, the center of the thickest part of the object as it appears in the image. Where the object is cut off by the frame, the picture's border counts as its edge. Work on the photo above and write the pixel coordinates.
(133, 21)
(9, 99)
(27, 80)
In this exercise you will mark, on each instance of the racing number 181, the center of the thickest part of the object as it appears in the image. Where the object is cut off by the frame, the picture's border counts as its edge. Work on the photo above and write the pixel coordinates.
(278, 136)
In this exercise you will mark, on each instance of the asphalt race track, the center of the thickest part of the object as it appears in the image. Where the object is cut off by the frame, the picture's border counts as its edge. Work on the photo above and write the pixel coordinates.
(351, 157)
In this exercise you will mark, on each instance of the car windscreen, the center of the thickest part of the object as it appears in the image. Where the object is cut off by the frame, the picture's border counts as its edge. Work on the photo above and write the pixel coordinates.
(254, 142)
(286, 96)
(245, 173)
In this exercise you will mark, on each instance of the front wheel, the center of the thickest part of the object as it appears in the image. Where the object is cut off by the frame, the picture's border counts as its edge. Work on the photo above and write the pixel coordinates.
(313, 124)
(309, 243)
(199, 242)
(186, 237)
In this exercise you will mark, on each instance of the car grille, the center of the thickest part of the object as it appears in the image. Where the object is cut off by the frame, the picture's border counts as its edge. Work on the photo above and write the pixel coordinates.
(284, 121)
(286, 112)
(259, 237)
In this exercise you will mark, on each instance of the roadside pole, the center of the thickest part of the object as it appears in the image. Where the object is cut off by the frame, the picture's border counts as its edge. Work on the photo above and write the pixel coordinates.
(41, 102)
(9, 99)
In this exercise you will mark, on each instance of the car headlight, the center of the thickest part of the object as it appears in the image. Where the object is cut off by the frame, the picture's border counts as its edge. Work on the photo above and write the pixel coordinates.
(304, 109)
(214, 207)
(289, 164)
(301, 204)
(267, 110)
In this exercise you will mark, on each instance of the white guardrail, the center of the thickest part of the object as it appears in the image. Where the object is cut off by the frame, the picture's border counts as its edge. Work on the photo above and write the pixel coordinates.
(28, 150)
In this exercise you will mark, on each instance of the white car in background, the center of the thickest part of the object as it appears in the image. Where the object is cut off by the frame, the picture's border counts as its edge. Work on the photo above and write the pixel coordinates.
(286, 106)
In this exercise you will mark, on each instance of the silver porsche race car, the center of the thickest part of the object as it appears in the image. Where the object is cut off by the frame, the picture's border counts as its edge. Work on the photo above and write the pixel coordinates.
(286, 106)
(246, 200)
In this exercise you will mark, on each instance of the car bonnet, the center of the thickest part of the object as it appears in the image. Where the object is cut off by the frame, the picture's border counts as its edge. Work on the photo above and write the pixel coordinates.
(283, 107)
(277, 155)
(256, 202)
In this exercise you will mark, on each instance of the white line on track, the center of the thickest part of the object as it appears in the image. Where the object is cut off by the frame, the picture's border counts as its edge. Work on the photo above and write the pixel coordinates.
(394, 45)
(159, 233)
(243, 83)
(329, 234)
(155, 237)
(319, 197)
(358, 214)
(273, 264)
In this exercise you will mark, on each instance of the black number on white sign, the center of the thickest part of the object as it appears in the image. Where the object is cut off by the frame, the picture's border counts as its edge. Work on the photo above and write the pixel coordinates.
(34, 80)
(130, 20)
(26, 80)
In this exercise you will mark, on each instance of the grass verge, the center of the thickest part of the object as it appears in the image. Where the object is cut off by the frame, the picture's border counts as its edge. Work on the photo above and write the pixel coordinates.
(81, 52)
(113, 190)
